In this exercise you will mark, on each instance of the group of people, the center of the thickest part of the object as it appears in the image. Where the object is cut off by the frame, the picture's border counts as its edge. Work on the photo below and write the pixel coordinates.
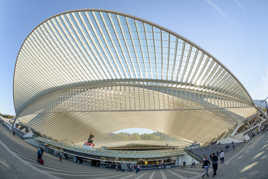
(40, 152)
(214, 158)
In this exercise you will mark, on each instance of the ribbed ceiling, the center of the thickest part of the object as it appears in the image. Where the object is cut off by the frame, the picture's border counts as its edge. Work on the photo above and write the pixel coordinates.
(97, 45)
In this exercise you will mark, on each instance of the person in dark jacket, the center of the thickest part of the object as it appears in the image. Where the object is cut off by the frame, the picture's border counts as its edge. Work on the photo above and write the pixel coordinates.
(206, 165)
(233, 145)
(214, 159)
(137, 169)
(40, 152)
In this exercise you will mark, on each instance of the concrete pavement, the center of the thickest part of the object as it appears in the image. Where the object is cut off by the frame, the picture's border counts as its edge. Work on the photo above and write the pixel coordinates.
(249, 163)
(18, 160)
(21, 156)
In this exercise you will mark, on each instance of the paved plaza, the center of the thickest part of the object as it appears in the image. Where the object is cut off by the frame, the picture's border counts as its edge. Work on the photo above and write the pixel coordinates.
(18, 160)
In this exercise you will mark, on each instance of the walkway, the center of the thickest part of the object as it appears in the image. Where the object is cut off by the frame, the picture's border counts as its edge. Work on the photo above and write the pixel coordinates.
(249, 163)
(18, 156)
(18, 160)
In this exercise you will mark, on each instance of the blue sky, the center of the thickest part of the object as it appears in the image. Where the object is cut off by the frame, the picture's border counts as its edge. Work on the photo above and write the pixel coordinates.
(234, 31)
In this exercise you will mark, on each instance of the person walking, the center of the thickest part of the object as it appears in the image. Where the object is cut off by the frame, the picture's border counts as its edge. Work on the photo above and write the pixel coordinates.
(60, 155)
(233, 146)
(222, 157)
(40, 152)
(206, 165)
(214, 164)
(184, 164)
(137, 169)
(74, 159)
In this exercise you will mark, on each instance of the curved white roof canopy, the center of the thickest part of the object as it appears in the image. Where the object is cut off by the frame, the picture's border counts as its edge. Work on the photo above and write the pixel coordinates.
(97, 46)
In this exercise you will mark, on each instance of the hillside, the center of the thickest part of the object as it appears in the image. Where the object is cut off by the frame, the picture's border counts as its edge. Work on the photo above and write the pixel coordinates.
(6, 116)
(135, 136)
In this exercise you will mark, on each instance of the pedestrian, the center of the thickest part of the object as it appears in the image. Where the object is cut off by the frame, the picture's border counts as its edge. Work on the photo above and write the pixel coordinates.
(206, 165)
(193, 164)
(60, 156)
(137, 168)
(233, 146)
(40, 152)
(75, 159)
(214, 164)
(222, 157)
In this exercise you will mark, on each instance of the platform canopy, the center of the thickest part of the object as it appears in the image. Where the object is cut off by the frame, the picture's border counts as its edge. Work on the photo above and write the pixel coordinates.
(102, 71)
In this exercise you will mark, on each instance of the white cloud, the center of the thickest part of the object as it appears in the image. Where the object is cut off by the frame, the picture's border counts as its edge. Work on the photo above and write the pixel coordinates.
(212, 4)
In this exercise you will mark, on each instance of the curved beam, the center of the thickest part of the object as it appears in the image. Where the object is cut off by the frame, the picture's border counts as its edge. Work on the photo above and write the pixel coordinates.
(144, 22)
